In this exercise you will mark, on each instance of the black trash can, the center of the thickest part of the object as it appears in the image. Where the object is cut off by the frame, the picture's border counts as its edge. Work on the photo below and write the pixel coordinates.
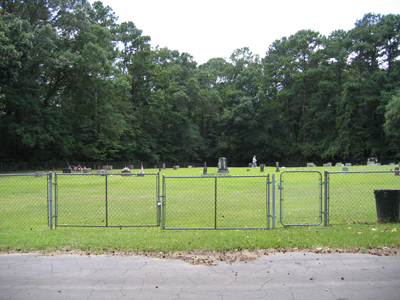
(387, 205)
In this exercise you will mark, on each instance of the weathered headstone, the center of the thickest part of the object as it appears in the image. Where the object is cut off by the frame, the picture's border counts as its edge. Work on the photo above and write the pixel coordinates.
(67, 170)
(310, 164)
(262, 167)
(175, 167)
(396, 171)
(163, 166)
(348, 164)
(223, 165)
(277, 167)
(345, 169)
(338, 164)
(205, 169)
(126, 172)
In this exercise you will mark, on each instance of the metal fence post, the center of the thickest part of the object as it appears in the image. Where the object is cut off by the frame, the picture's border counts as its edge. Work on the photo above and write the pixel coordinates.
(215, 205)
(163, 203)
(55, 200)
(268, 203)
(326, 198)
(158, 200)
(273, 201)
(50, 197)
(106, 199)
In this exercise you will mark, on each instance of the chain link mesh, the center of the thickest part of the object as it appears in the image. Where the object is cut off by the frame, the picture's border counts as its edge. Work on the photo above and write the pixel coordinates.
(106, 200)
(216, 202)
(23, 202)
(300, 198)
(351, 195)
(207, 202)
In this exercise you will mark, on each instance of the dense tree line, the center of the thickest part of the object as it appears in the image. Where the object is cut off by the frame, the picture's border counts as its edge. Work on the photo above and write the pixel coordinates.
(76, 85)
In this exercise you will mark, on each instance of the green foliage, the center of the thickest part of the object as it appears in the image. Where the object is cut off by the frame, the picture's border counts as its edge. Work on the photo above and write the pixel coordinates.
(75, 84)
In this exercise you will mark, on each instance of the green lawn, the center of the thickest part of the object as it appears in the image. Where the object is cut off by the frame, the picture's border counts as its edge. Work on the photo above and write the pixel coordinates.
(196, 202)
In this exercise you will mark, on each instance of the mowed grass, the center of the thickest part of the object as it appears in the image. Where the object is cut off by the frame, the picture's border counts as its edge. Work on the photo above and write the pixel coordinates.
(194, 203)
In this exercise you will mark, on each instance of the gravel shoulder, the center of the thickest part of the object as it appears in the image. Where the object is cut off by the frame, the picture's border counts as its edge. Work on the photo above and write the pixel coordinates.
(211, 258)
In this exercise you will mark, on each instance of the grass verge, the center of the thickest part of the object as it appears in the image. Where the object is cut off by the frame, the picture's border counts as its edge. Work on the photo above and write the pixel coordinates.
(104, 240)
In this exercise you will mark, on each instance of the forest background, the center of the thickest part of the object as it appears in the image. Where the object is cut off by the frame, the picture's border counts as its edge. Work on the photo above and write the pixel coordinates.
(75, 85)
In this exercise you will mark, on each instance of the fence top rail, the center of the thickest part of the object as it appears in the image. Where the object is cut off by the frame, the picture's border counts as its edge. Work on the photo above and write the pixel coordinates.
(102, 174)
(301, 171)
(27, 174)
(361, 172)
(216, 176)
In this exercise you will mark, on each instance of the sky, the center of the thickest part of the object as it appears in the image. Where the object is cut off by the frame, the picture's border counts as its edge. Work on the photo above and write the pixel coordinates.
(207, 29)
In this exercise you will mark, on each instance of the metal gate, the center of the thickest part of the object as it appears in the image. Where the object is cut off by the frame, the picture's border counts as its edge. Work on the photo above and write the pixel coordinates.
(107, 200)
(216, 202)
(301, 200)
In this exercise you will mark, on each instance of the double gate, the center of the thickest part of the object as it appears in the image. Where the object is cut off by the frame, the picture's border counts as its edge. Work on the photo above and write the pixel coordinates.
(186, 202)
(175, 202)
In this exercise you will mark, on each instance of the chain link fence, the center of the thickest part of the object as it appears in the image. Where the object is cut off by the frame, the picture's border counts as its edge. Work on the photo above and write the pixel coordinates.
(24, 202)
(38, 201)
(301, 198)
(216, 202)
(350, 195)
(107, 200)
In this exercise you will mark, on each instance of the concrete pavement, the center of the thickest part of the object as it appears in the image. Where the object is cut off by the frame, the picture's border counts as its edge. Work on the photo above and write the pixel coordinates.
(280, 276)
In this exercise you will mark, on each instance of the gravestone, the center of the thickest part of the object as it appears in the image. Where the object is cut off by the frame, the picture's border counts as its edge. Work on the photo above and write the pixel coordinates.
(163, 166)
(126, 172)
(345, 169)
(205, 169)
(101, 171)
(262, 167)
(223, 165)
(87, 170)
(67, 170)
(396, 171)
(175, 167)
(339, 164)
(310, 164)
(348, 164)
(277, 167)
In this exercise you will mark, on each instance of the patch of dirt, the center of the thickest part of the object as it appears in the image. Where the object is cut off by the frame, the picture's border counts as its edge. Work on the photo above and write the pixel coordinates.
(211, 258)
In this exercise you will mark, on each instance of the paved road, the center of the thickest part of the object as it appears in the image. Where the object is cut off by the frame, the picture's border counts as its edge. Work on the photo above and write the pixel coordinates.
(276, 276)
